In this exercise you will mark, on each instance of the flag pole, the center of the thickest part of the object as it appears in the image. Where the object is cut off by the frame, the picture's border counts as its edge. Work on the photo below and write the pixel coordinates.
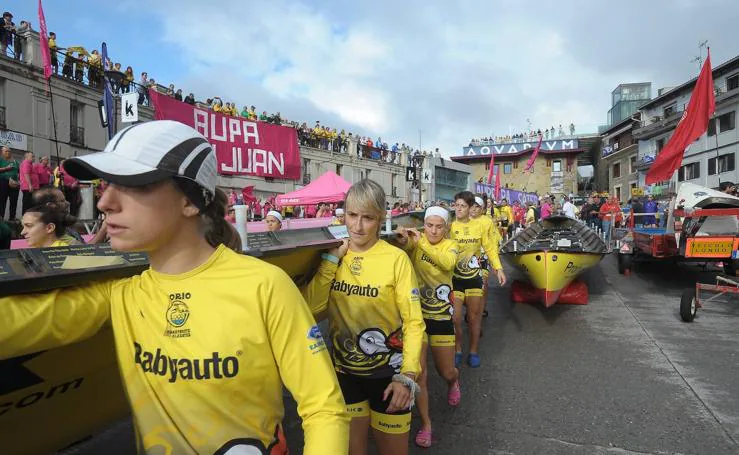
(53, 120)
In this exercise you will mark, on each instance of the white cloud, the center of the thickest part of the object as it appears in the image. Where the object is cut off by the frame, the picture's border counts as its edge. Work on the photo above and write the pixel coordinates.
(391, 69)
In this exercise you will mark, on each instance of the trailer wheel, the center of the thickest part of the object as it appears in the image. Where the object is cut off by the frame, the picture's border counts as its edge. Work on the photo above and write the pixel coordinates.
(730, 267)
(688, 305)
(624, 263)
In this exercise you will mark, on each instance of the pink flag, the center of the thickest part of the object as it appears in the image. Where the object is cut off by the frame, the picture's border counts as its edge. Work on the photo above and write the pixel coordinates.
(44, 35)
(496, 191)
(492, 166)
(530, 162)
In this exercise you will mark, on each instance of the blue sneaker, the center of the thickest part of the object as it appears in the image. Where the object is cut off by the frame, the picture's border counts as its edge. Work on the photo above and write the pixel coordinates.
(474, 360)
(457, 359)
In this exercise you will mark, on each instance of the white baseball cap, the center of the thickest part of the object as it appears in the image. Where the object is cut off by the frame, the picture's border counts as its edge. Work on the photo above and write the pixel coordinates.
(150, 152)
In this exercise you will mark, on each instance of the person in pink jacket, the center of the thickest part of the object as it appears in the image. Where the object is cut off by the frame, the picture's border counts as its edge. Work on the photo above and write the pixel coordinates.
(44, 173)
(28, 181)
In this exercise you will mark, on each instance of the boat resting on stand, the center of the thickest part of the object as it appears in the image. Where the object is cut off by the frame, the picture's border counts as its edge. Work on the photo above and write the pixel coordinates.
(552, 253)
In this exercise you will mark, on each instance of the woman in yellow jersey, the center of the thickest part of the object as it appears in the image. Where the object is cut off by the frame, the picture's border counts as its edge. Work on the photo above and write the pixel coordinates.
(205, 337)
(471, 235)
(338, 217)
(376, 326)
(434, 258)
(46, 225)
(477, 213)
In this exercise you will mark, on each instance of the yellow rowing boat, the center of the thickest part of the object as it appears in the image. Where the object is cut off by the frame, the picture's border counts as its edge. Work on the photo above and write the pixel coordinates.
(552, 253)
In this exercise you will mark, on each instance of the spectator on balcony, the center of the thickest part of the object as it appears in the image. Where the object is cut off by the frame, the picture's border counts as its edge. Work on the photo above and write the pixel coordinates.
(80, 62)
(572, 129)
(94, 68)
(178, 94)
(217, 105)
(190, 99)
(20, 38)
(170, 91)
(245, 112)
(143, 89)
(53, 50)
(127, 80)
(253, 113)
(351, 145)
(263, 117)
(6, 32)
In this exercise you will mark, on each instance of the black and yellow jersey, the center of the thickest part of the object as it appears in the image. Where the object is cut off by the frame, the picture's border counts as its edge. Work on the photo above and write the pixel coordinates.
(374, 312)
(203, 354)
(434, 265)
(472, 236)
(491, 228)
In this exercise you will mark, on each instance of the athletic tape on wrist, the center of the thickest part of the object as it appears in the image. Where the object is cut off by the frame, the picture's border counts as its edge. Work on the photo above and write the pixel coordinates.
(411, 384)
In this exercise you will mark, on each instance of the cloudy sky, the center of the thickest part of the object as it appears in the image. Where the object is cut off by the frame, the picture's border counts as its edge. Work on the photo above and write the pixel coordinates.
(451, 70)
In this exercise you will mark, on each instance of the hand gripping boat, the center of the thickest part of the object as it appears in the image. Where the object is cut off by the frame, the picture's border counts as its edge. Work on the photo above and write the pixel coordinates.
(51, 399)
(552, 253)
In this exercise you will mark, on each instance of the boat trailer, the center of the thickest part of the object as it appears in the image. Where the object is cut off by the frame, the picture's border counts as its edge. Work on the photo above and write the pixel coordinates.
(691, 299)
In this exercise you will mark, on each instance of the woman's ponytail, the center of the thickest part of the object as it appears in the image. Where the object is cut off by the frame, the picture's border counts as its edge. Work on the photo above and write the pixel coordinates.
(217, 230)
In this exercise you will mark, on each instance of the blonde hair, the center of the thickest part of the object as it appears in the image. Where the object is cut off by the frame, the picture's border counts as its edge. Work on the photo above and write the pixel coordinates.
(368, 195)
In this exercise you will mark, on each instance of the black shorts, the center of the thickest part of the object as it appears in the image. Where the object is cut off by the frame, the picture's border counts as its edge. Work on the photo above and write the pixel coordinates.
(439, 333)
(363, 397)
(467, 287)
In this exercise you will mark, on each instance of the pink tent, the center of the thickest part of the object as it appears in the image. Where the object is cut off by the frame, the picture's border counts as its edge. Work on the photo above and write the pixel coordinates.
(327, 188)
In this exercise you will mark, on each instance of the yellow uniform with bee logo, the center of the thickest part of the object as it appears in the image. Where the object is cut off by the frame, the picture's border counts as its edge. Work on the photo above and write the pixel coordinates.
(472, 236)
(434, 265)
(375, 325)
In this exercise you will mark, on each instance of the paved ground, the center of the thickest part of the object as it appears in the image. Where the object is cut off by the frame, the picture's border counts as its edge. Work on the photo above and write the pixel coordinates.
(620, 375)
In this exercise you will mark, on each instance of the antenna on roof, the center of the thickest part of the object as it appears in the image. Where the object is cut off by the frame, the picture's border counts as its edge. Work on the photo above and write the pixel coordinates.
(699, 58)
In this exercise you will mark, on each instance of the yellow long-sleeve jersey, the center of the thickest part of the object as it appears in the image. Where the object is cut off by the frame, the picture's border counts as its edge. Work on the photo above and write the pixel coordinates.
(434, 265)
(202, 354)
(506, 212)
(472, 236)
(375, 320)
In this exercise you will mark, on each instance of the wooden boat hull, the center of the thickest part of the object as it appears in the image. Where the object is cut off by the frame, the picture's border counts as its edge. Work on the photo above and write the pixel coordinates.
(74, 391)
(550, 272)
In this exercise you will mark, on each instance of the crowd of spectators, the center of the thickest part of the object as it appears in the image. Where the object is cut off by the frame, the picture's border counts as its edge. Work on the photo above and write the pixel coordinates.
(526, 136)
(87, 67)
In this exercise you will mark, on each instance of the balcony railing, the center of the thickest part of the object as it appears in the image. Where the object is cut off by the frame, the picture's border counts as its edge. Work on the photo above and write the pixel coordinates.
(76, 135)
(2, 117)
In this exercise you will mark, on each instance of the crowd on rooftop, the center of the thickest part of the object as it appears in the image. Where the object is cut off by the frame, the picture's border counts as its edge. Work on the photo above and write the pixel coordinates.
(87, 67)
(525, 136)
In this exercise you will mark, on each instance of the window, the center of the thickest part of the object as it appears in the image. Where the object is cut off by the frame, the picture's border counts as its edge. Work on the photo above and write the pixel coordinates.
(732, 82)
(727, 122)
(495, 169)
(660, 145)
(632, 164)
(393, 178)
(711, 127)
(557, 166)
(617, 190)
(725, 162)
(338, 169)
(367, 174)
(507, 168)
(688, 172)
(76, 120)
(671, 109)
(616, 172)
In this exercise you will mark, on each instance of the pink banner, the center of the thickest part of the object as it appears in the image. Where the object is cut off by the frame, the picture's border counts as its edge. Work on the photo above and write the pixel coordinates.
(44, 37)
(243, 147)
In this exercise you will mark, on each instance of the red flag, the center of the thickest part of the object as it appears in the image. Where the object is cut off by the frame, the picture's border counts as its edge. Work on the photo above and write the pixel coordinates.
(492, 163)
(694, 123)
(247, 193)
(45, 52)
(497, 185)
(530, 162)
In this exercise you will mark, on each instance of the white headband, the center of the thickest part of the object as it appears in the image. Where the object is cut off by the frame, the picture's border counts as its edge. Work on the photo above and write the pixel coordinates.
(479, 201)
(275, 214)
(339, 212)
(437, 211)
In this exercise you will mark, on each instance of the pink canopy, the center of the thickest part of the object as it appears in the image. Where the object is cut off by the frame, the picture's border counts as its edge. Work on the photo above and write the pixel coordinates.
(327, 188)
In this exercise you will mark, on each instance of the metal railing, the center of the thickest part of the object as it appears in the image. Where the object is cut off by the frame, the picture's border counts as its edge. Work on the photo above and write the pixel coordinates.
(76, 135)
